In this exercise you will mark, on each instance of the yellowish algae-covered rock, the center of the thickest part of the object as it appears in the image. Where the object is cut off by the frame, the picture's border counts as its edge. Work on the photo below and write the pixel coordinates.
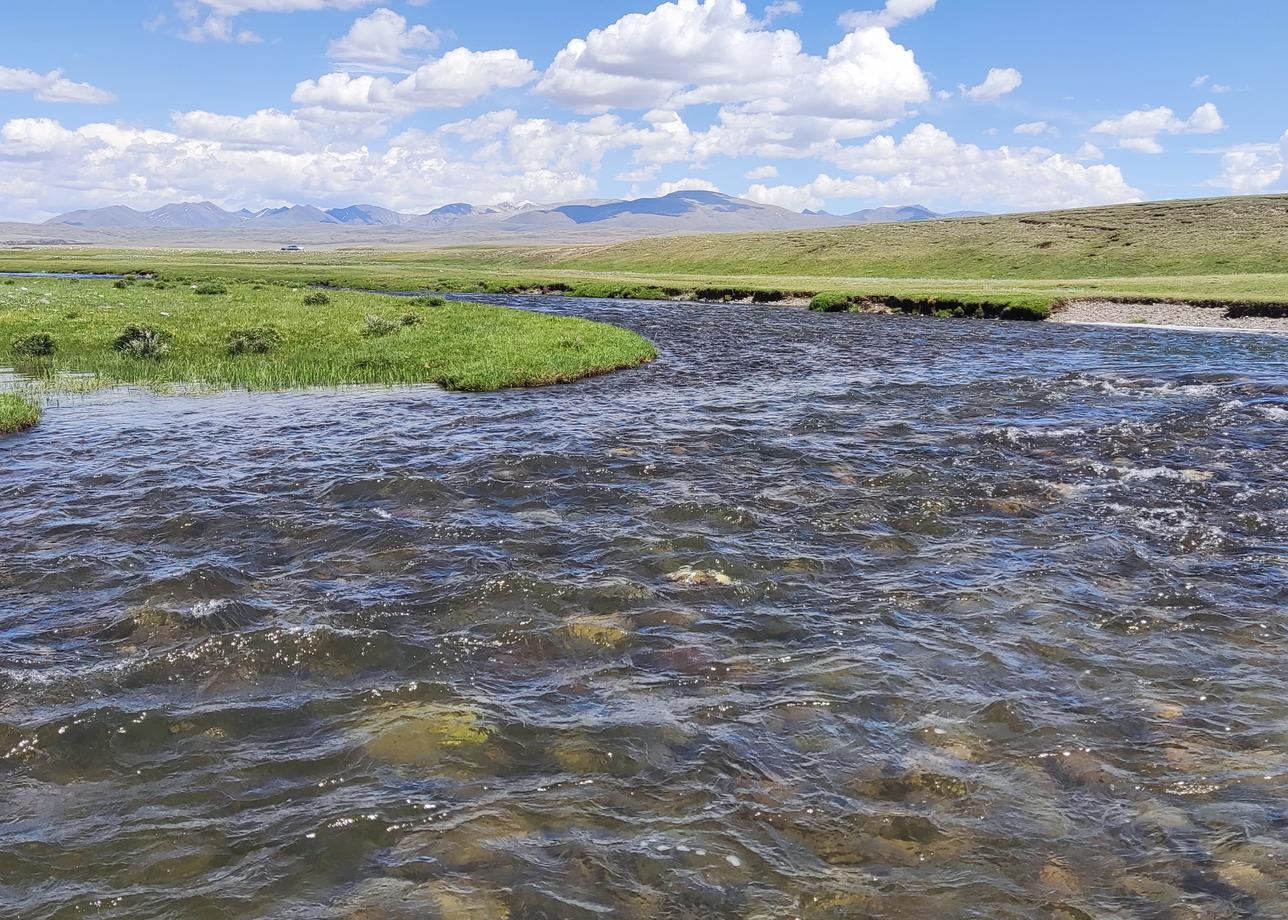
(471, 847)
(1248, 878)
(607, 631)
(385, 899)
(457, 902)
(1058, 878)
(423, 733)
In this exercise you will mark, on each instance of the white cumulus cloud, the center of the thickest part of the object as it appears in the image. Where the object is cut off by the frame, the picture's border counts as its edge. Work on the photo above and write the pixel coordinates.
(791, 197)
(894, 12)
(928, 165)
(382, 41)
(459, 77)
(46, 167)
(1253, 168)
(51, 87)
(1139, 130)
(780, 8)
(685, 185)
(214, 20)
(692, 52)
(999, 82)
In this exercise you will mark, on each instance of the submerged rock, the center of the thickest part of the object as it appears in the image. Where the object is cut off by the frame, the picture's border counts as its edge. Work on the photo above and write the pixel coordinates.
(423, 734)
(1250, 880)
(700, 578)
(654, 618)
(147, 620)
(385, 899)
(1058, 878)
(858, 849)
(460, 902)
(473, 846)
(913, 786)
(606, 631)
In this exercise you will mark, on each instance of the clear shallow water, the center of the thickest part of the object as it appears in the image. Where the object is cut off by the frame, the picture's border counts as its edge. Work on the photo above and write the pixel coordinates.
(819, 616)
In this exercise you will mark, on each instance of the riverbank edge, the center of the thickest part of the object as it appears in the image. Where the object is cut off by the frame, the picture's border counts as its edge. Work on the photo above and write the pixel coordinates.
(1022, 307)
(1178, 316)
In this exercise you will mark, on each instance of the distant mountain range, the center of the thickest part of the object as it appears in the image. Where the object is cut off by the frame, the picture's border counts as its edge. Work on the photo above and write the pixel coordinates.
(902, 215)
(679, 212)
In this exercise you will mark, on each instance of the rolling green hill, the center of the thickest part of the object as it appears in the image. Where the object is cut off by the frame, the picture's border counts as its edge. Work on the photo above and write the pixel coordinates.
(1204, 237)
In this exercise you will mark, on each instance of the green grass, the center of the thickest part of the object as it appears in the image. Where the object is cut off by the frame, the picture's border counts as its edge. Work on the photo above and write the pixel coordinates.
(17, 413)
(1229, 251)
(266, 338)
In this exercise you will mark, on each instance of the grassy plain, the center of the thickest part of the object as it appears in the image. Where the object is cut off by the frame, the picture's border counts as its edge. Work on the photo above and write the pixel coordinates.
(267, 337)
(1225, 250)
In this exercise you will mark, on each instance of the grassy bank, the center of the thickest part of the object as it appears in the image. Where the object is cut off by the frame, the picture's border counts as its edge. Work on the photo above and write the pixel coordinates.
(17, 413)
(952, 306)
(275, 337)
(1230, 251)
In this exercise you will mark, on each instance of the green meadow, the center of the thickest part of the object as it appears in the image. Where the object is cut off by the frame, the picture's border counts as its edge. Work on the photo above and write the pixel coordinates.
(273, 337)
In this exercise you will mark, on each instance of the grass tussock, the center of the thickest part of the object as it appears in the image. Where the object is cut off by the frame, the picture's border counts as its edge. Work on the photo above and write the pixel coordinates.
(34, 345)
(140, 342)
(377, 327)
(259, 340)
(17, 413)
(264, 337)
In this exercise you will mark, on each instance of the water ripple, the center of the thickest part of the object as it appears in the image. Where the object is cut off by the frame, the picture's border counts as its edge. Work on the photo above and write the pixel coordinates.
(817, 616)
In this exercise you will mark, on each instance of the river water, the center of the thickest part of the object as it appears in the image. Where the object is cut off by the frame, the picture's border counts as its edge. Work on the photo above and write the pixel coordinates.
(818, 616)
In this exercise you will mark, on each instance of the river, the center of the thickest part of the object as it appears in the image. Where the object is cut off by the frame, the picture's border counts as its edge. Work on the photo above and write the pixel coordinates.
(818, 616)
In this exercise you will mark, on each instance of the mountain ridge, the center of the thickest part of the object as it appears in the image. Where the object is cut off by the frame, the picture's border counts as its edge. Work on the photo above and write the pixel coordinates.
(682, 211)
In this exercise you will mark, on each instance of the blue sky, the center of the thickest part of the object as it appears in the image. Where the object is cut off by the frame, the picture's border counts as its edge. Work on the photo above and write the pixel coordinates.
(993, 105)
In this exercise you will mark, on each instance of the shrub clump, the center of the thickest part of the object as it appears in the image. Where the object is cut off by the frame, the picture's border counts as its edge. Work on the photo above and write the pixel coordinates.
(316, 299)
(431, 301)
(36, 345)
(412, 319)
(143, 342)
(122, 283)
(257, 341)
(210, 288)
(375, 327)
